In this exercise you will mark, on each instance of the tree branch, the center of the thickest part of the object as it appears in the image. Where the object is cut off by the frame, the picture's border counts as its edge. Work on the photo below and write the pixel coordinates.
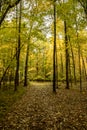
(7, 9)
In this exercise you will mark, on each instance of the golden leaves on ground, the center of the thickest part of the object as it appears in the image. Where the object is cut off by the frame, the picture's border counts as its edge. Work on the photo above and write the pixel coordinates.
(40, 109)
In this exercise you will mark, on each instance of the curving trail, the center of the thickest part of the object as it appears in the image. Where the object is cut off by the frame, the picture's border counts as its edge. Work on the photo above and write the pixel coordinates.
(40, 109)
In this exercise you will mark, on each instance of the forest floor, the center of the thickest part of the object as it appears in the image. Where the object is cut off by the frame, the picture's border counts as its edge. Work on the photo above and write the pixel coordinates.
(40, 109)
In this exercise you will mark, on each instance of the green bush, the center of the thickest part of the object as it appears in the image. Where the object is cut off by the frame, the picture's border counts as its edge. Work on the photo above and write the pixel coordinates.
(39, 78)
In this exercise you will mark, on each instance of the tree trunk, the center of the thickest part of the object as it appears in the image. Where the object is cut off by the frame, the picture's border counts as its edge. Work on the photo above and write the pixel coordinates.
(56, 70)
(18, 53)
(67, 55)
(54, 50)
(79, 57)
(70, 73)
(0, 5)
(80, 68)
(73, 60)
(62, 70)
(84, 67)
(27, 58)
(26, 65)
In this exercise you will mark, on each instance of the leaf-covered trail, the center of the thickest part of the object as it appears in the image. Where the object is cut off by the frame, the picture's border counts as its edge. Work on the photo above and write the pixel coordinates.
(40, 109)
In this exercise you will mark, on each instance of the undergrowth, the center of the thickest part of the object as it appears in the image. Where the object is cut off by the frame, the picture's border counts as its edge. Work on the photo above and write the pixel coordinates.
(8, 97)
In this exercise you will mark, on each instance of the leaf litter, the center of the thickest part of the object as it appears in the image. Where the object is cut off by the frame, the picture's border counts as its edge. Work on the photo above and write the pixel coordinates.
(40, 109)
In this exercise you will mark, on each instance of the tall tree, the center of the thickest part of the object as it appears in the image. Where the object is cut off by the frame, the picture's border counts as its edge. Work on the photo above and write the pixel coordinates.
(56, 69)
(54, 50)
(73, 60)
(67, 54)
(18, 50)
(84, 66)
(79, 55)
(27, 58)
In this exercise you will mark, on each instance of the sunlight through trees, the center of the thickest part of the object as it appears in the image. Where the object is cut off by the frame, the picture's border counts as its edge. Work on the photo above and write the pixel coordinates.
(43, 41)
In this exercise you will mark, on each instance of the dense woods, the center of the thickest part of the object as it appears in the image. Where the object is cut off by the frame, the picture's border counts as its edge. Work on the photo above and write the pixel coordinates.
(44, 41)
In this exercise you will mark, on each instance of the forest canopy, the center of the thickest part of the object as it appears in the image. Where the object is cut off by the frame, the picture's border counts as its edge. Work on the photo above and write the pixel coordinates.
(43, 41)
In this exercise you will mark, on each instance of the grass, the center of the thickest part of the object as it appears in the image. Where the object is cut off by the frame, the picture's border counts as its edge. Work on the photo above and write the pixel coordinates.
(8, 97)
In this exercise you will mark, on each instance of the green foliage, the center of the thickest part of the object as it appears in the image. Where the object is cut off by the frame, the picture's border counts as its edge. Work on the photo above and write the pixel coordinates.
(39, 78)
(37, 23)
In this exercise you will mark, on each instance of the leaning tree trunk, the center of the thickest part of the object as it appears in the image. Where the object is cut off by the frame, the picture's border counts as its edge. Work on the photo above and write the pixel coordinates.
(18, 52)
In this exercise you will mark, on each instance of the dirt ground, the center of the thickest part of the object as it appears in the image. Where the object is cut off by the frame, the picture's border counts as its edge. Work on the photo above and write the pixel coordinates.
(40, 109)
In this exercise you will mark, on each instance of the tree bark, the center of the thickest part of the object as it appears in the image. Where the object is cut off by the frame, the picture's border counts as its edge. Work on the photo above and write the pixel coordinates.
(54, 50)
(73, 60)
(18, 52)
(26, 67)
(56, 70)
(80, 67)
(70, 73)
(84, 67)
(62, 70)
(67, 55)
(79, 57)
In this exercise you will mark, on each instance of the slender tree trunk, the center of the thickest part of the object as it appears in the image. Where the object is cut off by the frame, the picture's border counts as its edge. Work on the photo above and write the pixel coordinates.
(26, 65)
(5, 71)
(54, 50)
(37, 64)
(27, 59)
(0, 5)
(79, 57)
(73, 60)
(62, 70)
(18, 53)
(10, 77)
(80, 68)
(44, 64)
(56, 70)
(70, 72)
(84, 67)
(67, 55)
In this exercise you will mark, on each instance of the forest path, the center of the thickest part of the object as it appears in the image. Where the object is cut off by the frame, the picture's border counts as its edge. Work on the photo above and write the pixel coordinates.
(40, 109)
